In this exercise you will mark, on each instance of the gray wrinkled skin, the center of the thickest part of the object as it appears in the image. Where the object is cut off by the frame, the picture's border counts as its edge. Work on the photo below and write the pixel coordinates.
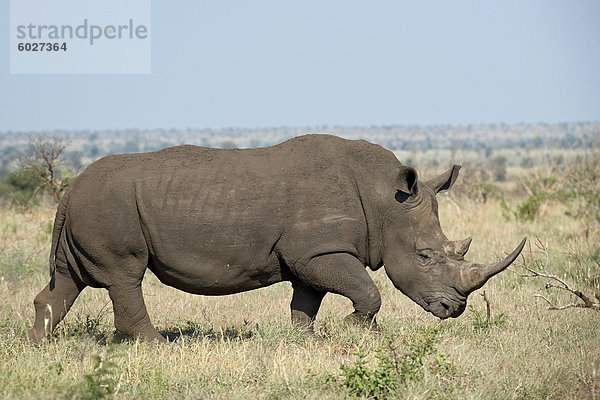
(315, 210)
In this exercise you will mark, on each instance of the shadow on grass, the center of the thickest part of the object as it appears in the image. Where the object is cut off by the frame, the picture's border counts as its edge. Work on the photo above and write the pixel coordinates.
(93, 329)
(197, 331)
(232, 333)
(103, 338)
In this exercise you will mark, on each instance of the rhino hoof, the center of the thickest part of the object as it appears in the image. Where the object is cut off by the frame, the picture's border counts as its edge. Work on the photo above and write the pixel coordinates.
(35, 337)
(364, 321)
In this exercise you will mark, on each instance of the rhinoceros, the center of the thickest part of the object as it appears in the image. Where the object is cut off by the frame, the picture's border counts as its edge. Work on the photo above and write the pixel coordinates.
(316, 210)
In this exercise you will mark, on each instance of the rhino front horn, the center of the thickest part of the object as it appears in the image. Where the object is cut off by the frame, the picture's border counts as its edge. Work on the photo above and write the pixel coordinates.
(477, 274)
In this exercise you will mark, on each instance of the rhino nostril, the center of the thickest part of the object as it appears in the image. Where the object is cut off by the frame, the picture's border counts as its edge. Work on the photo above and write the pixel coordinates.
(446, 309)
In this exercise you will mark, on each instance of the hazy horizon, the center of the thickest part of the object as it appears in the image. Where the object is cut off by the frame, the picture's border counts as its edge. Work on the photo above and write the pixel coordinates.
(314, 128)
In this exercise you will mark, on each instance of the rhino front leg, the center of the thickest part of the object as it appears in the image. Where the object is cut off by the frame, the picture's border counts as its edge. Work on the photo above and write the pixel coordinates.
(131, 316)
(53, 303)
(344, 274)
(305, 305)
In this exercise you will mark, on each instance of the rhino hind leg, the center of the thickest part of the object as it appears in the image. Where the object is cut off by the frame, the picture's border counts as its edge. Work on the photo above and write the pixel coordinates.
(305, 305)
(344, 274)
(53, 303)
(131, 316)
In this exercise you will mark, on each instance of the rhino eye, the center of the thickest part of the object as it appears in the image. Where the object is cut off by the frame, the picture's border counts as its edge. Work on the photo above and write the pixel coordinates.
(424, 254)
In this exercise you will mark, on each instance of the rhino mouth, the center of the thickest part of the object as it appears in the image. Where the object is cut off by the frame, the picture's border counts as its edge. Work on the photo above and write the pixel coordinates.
(444, 309)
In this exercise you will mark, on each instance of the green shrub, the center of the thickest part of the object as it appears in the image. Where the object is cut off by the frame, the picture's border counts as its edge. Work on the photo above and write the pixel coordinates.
(19, 187)
(529, 209)
(104, 380)
(482, 322)
(392, 368)
(476, 185)
(577, 186)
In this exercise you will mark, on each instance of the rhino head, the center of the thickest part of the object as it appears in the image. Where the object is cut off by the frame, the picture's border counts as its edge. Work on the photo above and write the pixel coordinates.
(419, 258)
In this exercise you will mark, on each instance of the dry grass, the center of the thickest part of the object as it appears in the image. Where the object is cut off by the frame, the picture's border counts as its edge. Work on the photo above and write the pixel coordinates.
(243, 345)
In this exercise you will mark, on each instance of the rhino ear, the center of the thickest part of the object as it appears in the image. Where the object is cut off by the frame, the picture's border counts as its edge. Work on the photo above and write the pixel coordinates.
(406, 181)
(445, 180)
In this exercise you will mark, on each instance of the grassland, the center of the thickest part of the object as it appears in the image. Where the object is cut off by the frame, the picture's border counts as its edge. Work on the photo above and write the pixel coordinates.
(243, 346)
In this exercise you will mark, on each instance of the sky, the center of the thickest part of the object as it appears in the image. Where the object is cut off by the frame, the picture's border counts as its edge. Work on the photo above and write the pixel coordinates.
(256, 64)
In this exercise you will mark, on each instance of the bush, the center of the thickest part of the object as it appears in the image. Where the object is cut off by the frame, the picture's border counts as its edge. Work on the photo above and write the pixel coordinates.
(483, 322)
(103, 382)
(476, 185)
(577, 186)
(19, 187)
(392, 369)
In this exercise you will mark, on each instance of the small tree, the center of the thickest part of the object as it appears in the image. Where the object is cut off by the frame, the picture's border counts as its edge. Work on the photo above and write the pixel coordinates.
(42, 161)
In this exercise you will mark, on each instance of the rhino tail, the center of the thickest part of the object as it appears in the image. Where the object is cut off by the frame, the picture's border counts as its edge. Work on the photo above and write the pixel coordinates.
(59, 221)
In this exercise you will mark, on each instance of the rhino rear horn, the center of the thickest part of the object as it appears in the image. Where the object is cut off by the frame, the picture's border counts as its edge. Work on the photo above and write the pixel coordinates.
(477, 274)
(461, 247)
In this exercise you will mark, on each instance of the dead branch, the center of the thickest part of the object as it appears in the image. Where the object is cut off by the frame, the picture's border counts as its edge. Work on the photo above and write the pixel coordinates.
(527, 188)
(552, 306)
(487, 305)
(562, 284)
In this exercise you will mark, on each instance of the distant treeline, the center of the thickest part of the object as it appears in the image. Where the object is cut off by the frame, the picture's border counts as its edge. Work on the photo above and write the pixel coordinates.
(87, 146)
